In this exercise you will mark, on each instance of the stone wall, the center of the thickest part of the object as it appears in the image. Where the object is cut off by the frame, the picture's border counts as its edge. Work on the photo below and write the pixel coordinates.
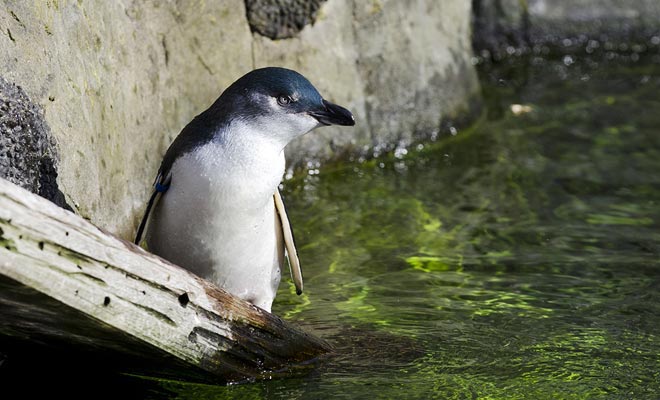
(115, 81)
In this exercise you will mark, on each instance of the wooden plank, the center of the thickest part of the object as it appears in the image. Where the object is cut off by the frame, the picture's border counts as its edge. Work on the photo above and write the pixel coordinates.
(121, 287)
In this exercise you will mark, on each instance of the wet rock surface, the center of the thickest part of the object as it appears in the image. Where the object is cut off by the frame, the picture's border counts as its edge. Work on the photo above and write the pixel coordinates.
(507, 27)
(28, 156)
(279, 19)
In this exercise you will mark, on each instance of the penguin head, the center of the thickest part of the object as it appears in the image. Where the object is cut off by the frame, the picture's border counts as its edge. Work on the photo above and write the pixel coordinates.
(279, 103)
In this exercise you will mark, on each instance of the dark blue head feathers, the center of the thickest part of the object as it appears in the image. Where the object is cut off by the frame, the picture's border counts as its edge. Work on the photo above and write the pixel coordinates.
(247, 95)
(252, 96)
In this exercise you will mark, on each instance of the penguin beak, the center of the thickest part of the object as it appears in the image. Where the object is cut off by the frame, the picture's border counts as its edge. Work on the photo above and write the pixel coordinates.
(332, 114)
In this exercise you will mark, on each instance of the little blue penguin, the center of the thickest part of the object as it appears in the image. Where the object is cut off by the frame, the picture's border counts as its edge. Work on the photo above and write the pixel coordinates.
(215, 208)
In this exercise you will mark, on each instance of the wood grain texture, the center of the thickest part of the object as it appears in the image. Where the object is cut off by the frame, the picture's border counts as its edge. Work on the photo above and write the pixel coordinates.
(118, 287)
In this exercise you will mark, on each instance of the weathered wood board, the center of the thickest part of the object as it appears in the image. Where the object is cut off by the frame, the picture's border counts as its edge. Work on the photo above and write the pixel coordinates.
(63, 278)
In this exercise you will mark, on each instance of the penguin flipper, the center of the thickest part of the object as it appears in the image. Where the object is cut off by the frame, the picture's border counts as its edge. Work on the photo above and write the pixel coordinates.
(287, 235)
(160, 187)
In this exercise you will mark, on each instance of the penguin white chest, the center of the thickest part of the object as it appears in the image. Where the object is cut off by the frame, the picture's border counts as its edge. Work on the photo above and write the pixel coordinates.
(218, 219)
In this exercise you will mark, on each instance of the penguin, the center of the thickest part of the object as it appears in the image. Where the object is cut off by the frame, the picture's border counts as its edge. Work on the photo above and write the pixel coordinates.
(215, 208)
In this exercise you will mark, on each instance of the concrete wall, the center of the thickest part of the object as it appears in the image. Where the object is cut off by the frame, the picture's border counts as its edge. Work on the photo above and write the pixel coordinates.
(117, 80)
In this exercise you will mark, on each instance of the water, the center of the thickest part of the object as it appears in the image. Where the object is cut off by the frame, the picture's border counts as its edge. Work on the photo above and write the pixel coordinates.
(516, 259)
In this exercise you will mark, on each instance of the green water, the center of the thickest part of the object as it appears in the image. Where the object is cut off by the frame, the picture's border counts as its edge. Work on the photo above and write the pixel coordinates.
(516, 259)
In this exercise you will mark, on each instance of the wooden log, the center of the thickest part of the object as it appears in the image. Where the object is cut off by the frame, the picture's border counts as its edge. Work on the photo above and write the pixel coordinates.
(62, 277)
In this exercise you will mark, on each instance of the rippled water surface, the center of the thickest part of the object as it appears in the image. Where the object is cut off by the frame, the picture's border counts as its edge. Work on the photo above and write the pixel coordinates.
(516, 259)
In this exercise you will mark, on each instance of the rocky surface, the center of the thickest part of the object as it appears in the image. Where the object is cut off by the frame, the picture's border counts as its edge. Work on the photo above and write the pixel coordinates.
(561, 18)
(505, 26)
(280, 19)
(28, 154)
(402, 67)
(118, 80)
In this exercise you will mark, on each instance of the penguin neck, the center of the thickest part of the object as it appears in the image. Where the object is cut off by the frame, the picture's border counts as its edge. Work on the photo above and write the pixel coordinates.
(247, 163)
(249, 145)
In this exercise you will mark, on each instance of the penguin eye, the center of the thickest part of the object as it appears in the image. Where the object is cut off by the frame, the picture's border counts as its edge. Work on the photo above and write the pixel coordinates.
(284, 100)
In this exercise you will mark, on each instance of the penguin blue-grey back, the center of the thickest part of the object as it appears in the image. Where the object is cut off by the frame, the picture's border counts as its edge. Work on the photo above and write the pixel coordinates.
(216, 208)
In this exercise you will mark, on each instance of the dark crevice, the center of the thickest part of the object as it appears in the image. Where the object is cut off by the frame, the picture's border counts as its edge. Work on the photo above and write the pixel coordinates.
(184, 299)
